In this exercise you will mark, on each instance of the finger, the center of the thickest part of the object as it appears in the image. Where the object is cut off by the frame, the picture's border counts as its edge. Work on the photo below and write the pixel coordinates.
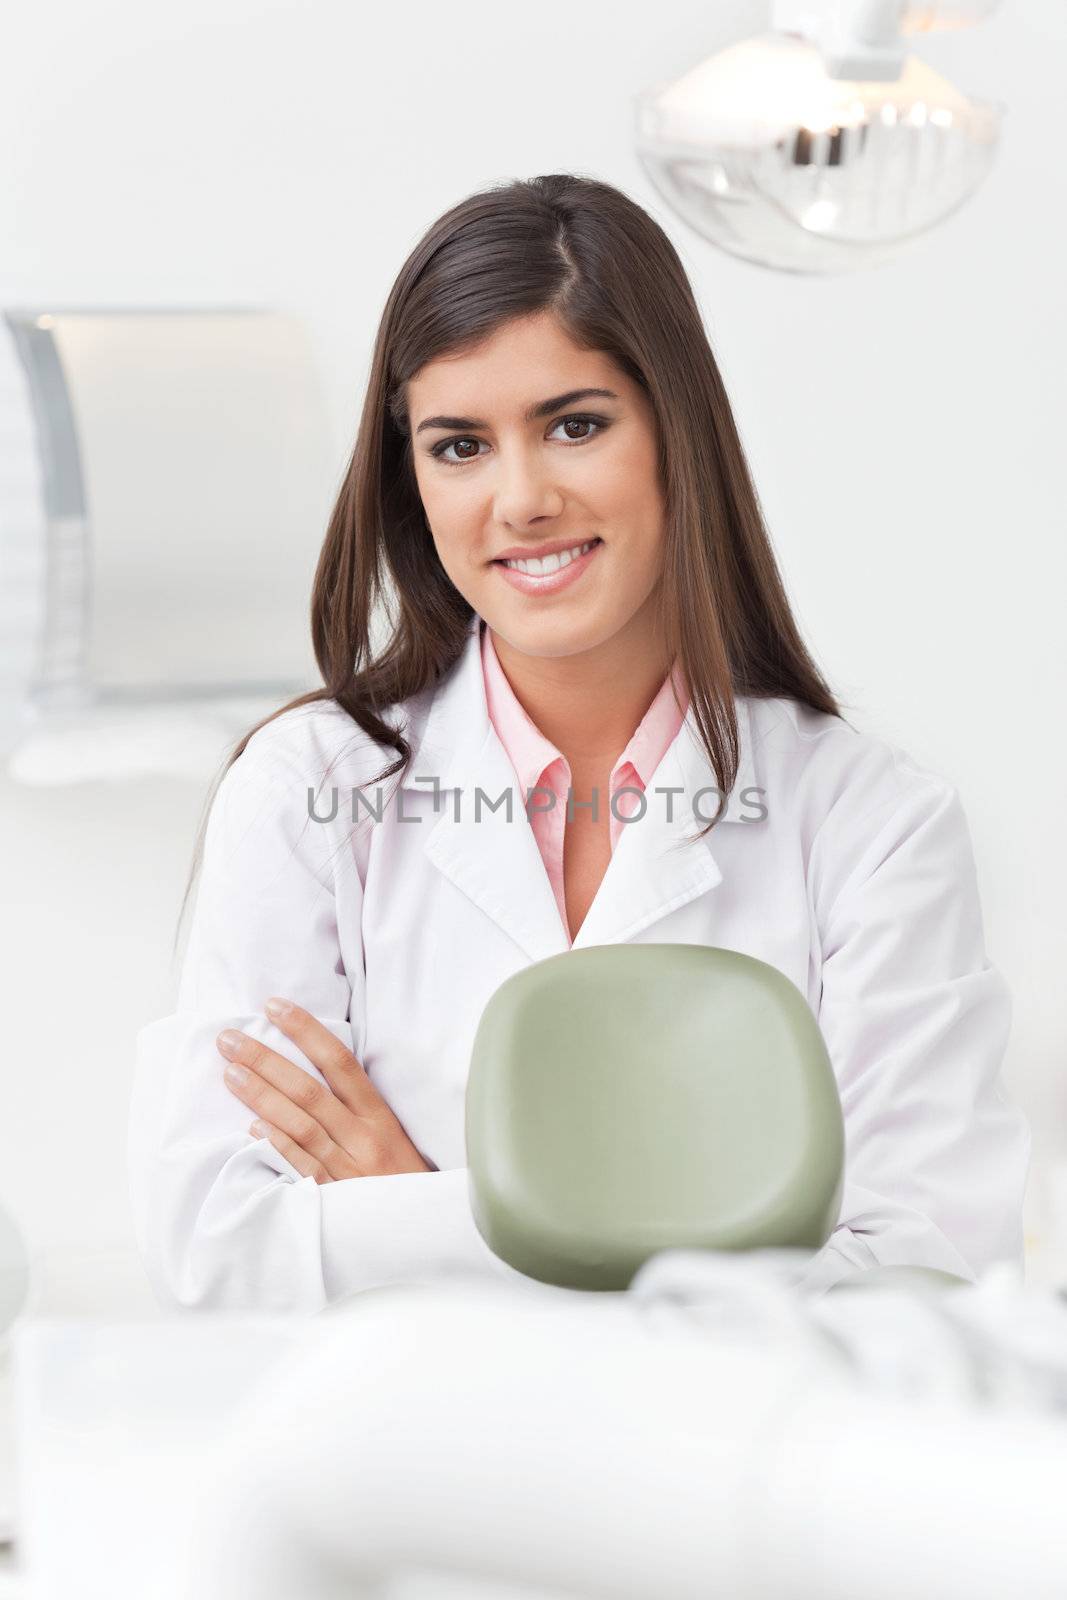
(342, 1071)
(293, 1119)
(305, 1164)
(296, 1084)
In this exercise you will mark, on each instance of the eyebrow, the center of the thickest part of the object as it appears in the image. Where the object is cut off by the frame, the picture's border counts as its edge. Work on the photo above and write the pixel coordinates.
(543, 408)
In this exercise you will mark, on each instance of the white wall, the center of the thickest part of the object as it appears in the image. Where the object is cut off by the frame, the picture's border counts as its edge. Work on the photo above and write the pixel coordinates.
(903, 427)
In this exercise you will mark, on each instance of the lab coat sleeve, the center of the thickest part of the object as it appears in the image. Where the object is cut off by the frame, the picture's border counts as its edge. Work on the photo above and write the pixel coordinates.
(222, 1219)
(916, 1020)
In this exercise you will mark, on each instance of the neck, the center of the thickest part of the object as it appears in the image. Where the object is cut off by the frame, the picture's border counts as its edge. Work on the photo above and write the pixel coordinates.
(590, 702)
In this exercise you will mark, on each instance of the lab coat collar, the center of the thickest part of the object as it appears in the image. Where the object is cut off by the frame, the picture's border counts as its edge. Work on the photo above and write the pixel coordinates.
(656, 866)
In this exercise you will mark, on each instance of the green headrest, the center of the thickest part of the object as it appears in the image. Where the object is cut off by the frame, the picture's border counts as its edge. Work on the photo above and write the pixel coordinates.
(630, 1098)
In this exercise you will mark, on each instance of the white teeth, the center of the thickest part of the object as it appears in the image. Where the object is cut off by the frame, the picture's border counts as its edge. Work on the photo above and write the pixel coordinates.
(541, 566)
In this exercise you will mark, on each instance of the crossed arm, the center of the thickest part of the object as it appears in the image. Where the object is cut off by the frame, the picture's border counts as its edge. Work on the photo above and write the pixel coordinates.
(343, 1129)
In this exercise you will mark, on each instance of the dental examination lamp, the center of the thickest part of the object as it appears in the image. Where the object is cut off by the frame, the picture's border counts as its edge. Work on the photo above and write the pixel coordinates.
(626, 1099)
(821, 146)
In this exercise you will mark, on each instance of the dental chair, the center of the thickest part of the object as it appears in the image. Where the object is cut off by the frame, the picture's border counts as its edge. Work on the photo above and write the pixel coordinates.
(719, 1433)
(627, 1099)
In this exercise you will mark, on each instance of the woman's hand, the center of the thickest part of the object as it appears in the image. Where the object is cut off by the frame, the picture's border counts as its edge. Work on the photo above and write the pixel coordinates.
(344, 1131)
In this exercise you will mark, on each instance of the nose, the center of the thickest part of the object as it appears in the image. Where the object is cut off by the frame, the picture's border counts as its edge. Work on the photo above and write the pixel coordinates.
(525, 491)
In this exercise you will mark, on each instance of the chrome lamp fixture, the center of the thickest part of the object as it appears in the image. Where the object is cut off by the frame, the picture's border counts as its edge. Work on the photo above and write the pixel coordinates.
(821, 146)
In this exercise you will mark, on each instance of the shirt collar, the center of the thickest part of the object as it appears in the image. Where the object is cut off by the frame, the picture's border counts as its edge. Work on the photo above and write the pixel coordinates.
(531, 753)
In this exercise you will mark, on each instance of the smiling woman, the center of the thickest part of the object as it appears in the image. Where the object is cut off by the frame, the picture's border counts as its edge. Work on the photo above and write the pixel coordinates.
(565, 479)
(549, 501)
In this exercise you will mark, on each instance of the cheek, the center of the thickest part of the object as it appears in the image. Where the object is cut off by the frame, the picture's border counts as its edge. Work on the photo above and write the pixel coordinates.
(627, 483)
(427, 492)
(440, 515)
(631, 501)
(453, 530)
(447, 504)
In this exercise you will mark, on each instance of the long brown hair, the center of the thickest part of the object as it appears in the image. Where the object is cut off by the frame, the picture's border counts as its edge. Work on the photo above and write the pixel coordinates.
(585, 251)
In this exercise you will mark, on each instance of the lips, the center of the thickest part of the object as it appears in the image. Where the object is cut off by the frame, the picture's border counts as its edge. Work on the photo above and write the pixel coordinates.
(546, 585)
(528, 555)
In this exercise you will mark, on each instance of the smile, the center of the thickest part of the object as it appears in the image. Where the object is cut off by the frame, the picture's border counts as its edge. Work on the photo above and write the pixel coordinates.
(550, 573)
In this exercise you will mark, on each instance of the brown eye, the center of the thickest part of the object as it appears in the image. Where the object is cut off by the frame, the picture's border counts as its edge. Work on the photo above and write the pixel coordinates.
(438, 451)
(594, 425)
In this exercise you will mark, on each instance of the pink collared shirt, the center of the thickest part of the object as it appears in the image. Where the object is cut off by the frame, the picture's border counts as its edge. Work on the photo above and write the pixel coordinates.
(538, 763)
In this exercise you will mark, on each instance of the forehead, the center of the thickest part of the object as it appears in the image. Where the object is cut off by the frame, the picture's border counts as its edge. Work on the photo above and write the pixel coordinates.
(518, 364)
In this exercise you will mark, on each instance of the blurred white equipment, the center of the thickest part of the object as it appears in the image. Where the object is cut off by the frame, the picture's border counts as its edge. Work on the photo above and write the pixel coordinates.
(821, 146)
(15, 1281)
(712, 1430)
(167, 481)
(14, 1273)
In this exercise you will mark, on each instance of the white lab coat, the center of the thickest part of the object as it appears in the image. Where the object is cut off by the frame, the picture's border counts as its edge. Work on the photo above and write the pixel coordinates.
(839, 861)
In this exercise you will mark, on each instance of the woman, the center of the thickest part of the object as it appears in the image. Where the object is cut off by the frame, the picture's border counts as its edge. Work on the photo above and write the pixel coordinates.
(678, 771)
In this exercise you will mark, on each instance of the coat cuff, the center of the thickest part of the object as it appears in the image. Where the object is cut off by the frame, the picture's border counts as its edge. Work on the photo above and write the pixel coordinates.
(404, 1227)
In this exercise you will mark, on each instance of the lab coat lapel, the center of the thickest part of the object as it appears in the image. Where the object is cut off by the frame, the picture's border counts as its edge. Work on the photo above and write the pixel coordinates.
(653, 869)
(657, 866)
(494, 861)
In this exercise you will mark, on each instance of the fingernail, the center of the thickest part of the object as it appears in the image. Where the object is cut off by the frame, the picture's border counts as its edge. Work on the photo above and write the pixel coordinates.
(234, 1075)
(278, 1008)
(228, 1041)
(258, 1128)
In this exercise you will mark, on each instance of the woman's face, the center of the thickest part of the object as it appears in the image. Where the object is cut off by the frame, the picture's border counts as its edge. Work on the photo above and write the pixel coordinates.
(510, 457)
